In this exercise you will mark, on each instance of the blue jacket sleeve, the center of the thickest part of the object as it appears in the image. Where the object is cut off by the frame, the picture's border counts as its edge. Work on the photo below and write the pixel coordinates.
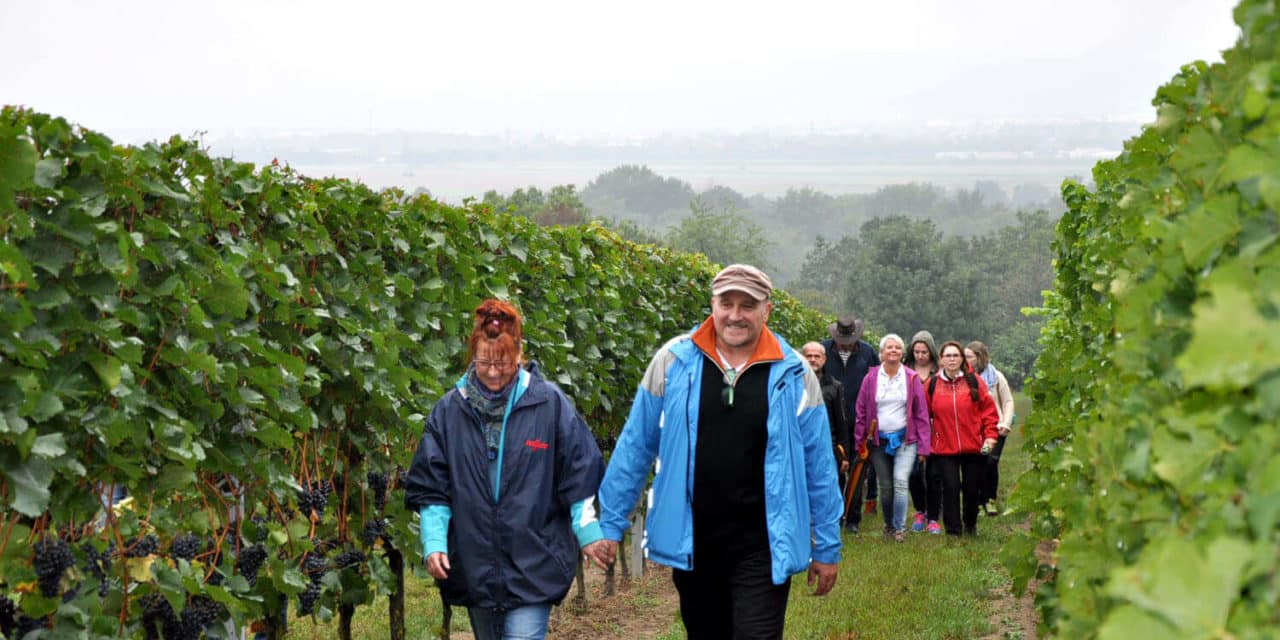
(633, 456)
(821, 478)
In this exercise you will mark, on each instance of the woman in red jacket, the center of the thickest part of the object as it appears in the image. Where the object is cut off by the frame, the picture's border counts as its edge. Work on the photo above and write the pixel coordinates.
(964, 430)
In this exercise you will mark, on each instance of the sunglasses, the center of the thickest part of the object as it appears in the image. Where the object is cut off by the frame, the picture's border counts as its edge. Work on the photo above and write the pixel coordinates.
(726, 394)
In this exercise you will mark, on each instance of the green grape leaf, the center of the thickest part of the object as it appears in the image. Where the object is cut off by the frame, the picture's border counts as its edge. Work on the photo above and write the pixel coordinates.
(50, 445)
(1127, 622)
(1189, 588)
(17, 165)
(1228, 322)
(30, 481)
(49, 171)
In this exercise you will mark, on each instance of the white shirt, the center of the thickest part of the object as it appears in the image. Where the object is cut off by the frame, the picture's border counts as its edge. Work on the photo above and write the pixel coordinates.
(891, 401)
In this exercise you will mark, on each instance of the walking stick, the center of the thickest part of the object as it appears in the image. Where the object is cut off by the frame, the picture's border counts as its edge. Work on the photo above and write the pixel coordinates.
(856, 475)
(851, 486)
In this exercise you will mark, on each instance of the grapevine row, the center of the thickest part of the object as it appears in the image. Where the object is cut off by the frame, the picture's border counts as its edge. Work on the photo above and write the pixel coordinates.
(1154, 500)
(240, 359)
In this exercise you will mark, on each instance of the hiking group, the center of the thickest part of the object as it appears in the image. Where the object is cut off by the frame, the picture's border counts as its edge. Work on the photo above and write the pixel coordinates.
(733, 433)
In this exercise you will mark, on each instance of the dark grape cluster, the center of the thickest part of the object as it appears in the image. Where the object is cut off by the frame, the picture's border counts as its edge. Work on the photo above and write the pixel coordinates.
(250, 561)
(348, 558)
(8, 616)
(27, 624)
(378, 487)
(373, 529)
(141, 547)
(52, 558)
(307, 599)
(160, 622)
(314, 566)
(157, 617)
(315, 498)
(200, 613)
(98, 564)
(186, 547)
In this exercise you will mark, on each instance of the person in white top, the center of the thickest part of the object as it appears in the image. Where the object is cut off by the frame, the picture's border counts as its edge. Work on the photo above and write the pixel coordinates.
(892, 423)
(979, 358)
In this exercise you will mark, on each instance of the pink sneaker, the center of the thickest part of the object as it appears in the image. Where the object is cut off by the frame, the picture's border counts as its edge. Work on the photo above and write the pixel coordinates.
(917, 525)
(934, 527)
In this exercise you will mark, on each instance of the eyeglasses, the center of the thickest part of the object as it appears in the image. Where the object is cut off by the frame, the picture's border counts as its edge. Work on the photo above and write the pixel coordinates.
(485, 365)
(726, 394)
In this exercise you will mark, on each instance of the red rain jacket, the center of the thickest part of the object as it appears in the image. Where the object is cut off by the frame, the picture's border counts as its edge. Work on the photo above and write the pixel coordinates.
(959, 424)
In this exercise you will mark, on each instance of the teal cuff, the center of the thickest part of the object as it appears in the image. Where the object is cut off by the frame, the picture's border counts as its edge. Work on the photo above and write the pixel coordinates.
(433, 528)
(586, 526)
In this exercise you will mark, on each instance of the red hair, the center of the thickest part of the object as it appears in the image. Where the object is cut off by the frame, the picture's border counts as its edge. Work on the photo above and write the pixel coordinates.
(497, 323)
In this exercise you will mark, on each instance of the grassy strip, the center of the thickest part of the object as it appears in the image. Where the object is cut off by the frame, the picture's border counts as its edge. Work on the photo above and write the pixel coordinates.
(929, 587)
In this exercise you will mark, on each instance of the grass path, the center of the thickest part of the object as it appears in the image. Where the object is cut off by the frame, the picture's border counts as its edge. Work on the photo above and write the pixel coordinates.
(928, 588)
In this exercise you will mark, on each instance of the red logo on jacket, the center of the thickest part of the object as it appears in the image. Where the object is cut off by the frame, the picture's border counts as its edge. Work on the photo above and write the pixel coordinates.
(536, 445)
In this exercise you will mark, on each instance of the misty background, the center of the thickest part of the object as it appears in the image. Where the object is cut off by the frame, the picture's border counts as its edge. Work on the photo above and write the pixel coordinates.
(900, 162)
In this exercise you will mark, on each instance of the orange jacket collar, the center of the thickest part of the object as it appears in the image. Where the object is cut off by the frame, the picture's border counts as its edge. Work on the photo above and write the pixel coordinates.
(767, 349)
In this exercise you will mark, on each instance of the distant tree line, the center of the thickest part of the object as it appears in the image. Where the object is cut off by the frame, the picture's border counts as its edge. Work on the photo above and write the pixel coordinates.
(962, 264)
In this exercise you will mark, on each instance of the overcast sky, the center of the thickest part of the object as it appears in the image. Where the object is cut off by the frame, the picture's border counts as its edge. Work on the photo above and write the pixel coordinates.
(597, 66)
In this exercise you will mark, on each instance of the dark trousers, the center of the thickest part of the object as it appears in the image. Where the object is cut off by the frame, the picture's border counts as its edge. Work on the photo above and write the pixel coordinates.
(930, 485)
(961, 474)
(916, 484)
(731, 596)
(991, 478)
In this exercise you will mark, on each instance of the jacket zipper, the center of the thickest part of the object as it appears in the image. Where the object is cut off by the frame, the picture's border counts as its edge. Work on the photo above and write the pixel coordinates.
(955, 410)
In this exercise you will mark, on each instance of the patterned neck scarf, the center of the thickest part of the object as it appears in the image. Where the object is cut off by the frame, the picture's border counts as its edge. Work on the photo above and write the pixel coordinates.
(491, 406)
(989, 377)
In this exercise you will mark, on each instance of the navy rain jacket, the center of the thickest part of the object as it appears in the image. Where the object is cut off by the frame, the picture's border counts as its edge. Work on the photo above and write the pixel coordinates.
(519, 549)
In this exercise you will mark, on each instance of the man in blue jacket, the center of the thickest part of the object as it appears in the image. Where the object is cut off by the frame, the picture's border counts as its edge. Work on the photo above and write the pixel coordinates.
(745, 493)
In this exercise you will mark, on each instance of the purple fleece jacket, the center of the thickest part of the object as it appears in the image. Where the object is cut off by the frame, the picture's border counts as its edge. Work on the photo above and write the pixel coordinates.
(917, 411)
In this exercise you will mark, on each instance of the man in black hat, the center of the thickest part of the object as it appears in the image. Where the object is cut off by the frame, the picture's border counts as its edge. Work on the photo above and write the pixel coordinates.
(848, 359)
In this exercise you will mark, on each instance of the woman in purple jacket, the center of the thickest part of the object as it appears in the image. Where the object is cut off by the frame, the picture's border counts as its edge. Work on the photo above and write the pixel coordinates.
(892, 422)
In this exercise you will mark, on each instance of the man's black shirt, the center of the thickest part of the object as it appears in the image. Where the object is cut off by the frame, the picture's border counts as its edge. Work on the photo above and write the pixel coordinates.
(728, 476)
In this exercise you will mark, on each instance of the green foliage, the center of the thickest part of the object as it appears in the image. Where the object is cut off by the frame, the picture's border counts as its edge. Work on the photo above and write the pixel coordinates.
(904, 275)
(630, 231)
(559, 207)
(218, 338)
(1157, 429)
(725, 237)
(637, 189)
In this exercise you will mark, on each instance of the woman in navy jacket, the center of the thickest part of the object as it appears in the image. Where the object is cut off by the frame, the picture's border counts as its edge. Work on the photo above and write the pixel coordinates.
(504, 479)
